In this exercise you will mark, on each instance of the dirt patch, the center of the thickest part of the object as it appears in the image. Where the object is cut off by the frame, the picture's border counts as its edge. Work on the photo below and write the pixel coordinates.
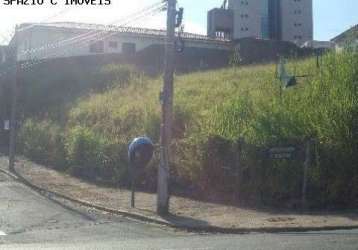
(185, 211)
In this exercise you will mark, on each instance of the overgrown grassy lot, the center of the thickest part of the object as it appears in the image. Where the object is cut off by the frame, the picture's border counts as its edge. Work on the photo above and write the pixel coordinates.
(213, 110)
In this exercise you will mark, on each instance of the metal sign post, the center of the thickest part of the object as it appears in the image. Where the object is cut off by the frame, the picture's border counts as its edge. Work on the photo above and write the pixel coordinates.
(140, 152)
(133, 183)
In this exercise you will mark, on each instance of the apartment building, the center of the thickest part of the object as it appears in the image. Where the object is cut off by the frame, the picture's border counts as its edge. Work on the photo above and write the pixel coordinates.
(296, 20)
(286, 20)
(248, 18)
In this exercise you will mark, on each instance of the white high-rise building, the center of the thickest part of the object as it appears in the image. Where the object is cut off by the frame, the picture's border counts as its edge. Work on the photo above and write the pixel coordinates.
(248, 16)
(296, 20)
(287, 20)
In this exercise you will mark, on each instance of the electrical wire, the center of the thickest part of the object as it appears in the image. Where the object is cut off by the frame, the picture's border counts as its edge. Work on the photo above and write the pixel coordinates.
(90, 39)
(89, 36)
(61, 12)
(11, 34)
(93, 32)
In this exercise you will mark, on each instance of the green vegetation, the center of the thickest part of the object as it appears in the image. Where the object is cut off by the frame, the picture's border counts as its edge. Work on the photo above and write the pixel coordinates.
(43, 141)
(213, 110)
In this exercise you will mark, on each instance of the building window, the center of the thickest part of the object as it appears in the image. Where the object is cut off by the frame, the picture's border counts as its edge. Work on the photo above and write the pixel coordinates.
(298, 24)
(244, 16)
(113, 45)
(97, 47)
(297, 37)
(129, 48)
(298, 12)
(244, 3)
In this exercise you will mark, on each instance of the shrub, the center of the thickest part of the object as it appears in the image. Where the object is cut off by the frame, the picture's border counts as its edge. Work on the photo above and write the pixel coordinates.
(85, 152)
(43, 141)
(94, 157)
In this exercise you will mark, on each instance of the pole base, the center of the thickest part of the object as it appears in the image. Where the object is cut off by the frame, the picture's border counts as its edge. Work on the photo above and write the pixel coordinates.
(162, 210)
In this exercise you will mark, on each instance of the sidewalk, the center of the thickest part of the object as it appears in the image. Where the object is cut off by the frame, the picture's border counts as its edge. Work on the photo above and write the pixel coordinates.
(186, 213)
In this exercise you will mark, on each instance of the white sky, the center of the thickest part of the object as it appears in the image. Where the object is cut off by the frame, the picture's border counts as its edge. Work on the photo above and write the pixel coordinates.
(92, 14)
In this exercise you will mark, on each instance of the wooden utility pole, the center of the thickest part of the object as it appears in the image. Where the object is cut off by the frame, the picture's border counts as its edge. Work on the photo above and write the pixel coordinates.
(167, 112)
(12, 143)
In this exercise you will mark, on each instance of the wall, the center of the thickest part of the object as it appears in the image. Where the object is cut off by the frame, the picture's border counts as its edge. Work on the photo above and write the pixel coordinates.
(151, 58)
(3, 51)
(5, 89)
(192, 59)
(262, 51)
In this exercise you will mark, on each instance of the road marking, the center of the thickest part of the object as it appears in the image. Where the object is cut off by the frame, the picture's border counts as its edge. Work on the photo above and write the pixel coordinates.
(2, 233)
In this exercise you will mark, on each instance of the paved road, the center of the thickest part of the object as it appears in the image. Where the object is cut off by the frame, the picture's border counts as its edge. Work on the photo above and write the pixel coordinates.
(31, 221)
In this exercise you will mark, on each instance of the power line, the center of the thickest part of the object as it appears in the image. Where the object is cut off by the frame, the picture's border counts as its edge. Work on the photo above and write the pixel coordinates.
(10, 32)
(92, 37)
(81, 39)
(74, 45)
(91, 33)
(61, 12)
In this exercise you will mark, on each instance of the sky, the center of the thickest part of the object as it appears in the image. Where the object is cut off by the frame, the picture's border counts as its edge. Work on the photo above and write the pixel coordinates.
(331, 17)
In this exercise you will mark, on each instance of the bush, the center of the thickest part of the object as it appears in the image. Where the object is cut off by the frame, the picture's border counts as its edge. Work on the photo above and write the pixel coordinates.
(94, 157)
(85, 152)
(43, 141)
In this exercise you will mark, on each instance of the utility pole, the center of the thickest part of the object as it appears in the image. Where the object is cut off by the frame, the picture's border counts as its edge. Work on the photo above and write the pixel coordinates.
(13, 123)
(167, 112)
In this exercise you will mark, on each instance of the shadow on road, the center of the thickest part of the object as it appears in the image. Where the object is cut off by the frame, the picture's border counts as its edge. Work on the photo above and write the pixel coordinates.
(185, 221)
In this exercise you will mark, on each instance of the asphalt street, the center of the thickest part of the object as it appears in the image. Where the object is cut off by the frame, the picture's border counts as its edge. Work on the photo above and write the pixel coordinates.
(29, 220)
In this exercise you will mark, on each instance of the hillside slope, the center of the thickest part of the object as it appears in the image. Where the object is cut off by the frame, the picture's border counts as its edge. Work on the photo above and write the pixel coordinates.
(213, 110)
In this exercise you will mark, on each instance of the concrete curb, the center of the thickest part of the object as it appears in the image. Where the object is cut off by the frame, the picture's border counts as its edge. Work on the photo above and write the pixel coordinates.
(148, 219)
(8, 173)
(46, 192)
